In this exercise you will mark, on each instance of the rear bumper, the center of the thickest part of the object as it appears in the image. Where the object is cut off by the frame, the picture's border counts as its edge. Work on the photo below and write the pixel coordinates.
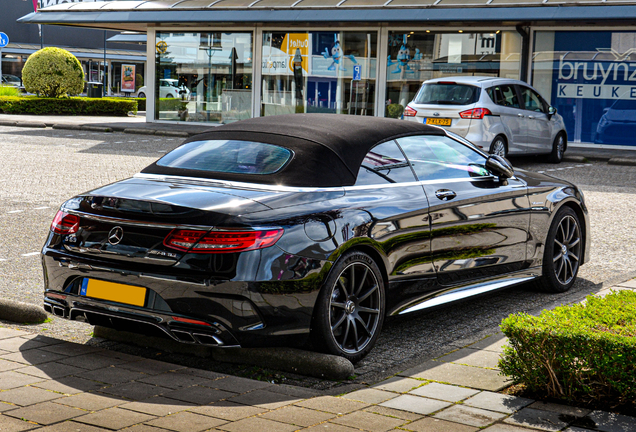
(192, 307)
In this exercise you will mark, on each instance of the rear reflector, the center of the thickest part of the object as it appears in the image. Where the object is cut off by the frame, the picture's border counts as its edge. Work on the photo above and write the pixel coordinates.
(475, 113)
(409, 112)
(64, 223)
(190, 321)
(221, 241)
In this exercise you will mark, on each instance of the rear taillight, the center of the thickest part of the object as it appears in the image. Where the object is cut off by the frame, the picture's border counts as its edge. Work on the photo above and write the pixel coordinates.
(64, 223)
(221, 241)
(475, 113)
(409, 112)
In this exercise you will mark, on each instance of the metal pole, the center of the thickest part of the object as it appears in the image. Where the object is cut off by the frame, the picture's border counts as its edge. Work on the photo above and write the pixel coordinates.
(0, 65)
(41, 36)
(104, 79)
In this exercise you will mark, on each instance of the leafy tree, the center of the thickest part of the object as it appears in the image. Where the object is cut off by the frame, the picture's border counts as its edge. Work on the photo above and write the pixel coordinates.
(53, 72)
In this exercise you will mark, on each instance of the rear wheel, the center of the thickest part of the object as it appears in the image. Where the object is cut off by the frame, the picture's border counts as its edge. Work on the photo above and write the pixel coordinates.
(562, 253)
(558, 149)
(350, 308)
(141, 95)
(499, 147)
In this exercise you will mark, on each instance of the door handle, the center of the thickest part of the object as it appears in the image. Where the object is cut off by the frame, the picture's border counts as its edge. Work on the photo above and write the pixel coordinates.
(530, 117)
(445, 194)
(520, 115)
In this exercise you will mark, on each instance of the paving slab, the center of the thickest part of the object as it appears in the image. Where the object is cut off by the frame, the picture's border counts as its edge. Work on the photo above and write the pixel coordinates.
(560, 409)
(237, 384)
(151, 367)
(257, 424)
(33, 356)
(13, 379)
(298, 416)
(9, 424)
(69, 385)
(331, 427)
(609, 422)
(91, 361)
(628, 284)
(20, 344)
(392, 412)
(227, 410)
(368, 421)
(45, 413)
(114, 418)
(6, 333)
(331, 404)
(264, 399)
(430, 424)
(472, 357)
(469, 376)
(444, 392)
(71, 349)
(503, 427)
(134, 390)
(369, 395)
(51, 370)
(24, 396)
(111, 375)
(469, 416)
(416, 404)
(72, 426)
(498, 402)
(172, 380)
(398, 384)
(198, 395)
(186, 422)
(157, 406)
(7, 365)
(90, 401)
(537, 419)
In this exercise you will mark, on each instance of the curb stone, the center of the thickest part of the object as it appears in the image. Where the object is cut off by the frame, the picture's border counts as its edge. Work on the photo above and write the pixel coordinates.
(7, 123)
(139, 131)
(578, 159)
(24, 313)
(31, 124)
(292, 360)
(66, 126)
(622, 161)
(172, 133)
(96, 128)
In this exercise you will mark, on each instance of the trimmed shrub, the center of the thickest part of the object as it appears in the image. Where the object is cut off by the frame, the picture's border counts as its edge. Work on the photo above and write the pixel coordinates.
(141, 103)
(577, 353)
(7, 90)
(68, 106)
(53, 72)
(139, 82)
(394, 110)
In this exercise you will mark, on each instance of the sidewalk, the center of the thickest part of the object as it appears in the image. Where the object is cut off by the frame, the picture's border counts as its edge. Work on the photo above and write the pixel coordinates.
(52, 385)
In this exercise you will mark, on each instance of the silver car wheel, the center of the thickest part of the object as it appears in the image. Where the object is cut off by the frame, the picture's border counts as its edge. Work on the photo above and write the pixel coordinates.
(498, 147)
(567, 250)
(560, 147)
(354, 309)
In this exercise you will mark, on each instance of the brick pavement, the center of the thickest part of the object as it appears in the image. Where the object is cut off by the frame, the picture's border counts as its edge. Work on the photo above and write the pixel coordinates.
(52, 385)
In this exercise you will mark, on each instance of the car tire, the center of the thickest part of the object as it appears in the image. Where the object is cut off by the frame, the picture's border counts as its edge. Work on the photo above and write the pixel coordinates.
(350, 308)
(499, 147)
(562, 252)
(558, 149)
(169, 96)
(141, 95)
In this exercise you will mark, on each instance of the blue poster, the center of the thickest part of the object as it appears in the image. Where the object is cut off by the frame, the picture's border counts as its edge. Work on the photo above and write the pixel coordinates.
(594, 85)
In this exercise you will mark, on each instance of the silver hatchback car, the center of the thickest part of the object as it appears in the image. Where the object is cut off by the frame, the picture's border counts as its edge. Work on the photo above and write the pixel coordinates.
(501, 116)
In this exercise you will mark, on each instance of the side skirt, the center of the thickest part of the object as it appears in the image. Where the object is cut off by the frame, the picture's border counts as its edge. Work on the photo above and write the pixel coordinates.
(449, 295)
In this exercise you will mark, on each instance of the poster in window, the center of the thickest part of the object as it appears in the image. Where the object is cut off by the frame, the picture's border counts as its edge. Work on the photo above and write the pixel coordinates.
(128, 78)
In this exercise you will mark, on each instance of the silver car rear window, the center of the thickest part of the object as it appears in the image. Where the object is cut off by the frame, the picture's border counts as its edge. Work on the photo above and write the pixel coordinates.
(447, 93)
(228, 156)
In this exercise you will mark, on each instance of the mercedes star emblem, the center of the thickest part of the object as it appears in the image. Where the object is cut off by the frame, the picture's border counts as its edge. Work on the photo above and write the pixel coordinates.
(115, 235)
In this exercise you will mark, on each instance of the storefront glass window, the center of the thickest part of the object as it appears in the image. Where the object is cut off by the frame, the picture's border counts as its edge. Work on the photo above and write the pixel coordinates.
(203, 77)
(590, 78)
(417, 56)
(320, 71)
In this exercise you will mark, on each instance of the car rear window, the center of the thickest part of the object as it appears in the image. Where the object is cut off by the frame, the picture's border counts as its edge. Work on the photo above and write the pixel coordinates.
(447, 94)
(228, 156)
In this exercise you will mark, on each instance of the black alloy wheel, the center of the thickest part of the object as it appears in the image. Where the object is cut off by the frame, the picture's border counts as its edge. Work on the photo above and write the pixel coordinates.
(350, 308)
(499, 147)
(562, 254)
(558, 149)
(141, 95)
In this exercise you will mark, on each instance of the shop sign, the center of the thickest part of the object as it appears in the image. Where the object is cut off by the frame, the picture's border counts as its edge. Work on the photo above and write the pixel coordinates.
(128, 78)
(294, 52)
(47, 3)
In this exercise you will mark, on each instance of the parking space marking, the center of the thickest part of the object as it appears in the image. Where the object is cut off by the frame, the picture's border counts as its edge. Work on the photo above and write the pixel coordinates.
(41, 208)
(30, 254)
(15, 211)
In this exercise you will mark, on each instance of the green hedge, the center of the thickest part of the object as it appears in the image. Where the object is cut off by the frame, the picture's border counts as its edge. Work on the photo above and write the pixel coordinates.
(67, 106)
(579, 353)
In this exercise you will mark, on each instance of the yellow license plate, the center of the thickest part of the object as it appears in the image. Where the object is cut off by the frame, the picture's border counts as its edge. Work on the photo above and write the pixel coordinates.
(438, 121)
(112, 291)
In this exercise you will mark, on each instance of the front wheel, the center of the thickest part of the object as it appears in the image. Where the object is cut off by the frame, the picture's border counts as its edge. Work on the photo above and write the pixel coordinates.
(141, 95)
(350, 308)
(558, 149)
(562, 253)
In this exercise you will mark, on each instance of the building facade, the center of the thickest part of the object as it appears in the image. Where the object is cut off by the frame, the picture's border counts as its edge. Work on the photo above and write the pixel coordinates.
(245, 58)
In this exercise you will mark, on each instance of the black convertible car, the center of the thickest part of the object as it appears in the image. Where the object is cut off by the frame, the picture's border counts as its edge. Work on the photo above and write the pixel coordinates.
(289, 229)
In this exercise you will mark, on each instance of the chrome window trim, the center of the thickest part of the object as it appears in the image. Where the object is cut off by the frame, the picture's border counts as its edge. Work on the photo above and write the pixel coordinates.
(279, 188)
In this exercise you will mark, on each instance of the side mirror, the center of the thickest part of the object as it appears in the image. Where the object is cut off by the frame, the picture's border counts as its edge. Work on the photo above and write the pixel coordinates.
(551, 111)
(499, 166)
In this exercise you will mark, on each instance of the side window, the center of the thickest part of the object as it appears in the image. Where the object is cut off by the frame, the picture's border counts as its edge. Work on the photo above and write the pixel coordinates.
(440, 157)
(504, 95)
(384, 164)
(531, 100)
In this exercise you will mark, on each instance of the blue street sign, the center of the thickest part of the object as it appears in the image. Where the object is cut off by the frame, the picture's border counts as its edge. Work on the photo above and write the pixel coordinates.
(4, 40)
(357, 72)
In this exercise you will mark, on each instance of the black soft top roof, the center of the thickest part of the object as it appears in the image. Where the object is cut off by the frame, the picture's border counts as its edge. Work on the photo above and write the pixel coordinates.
(328, 148)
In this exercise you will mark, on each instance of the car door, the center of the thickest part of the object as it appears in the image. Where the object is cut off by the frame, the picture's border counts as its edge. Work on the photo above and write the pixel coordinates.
(512, 115)
(479, 223)
(539, 126)
(387, 189)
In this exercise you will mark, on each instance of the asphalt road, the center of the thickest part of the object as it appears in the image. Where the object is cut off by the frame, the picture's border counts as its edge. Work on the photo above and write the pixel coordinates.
(40, 168)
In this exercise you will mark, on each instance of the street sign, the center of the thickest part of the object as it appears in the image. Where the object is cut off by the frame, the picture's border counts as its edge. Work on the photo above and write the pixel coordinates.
(357, 72)
(4, 40)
